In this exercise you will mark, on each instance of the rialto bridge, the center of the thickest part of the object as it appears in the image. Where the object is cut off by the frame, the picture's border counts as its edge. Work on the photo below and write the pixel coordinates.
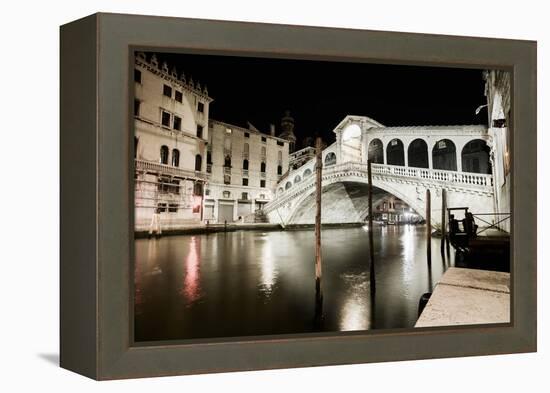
(406, 161)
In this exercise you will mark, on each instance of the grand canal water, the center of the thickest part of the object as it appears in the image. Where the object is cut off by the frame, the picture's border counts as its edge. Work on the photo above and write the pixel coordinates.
(262, 283)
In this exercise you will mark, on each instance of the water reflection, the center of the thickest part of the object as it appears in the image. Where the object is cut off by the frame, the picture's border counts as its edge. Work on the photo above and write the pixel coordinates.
(356, 310)
(254, 283)
(269, 274)
(191, 281)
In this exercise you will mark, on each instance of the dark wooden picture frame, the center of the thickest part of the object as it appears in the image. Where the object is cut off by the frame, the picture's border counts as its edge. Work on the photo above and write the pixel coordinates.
(97, 198)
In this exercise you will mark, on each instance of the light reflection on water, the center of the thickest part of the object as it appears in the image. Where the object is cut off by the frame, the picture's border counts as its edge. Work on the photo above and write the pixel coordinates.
(254, 283)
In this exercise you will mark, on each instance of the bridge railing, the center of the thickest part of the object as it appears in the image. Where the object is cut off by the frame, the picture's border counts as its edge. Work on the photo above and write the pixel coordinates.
(464, 178)
(422, 175)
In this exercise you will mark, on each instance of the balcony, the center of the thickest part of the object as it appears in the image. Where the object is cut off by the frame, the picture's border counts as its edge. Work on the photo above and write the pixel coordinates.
(262, 175)
(226, 170)
(245, 172)
(154, 167)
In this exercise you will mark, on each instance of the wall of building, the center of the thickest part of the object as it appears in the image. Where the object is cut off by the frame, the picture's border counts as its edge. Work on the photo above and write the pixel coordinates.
(225, 184)
(171, 190)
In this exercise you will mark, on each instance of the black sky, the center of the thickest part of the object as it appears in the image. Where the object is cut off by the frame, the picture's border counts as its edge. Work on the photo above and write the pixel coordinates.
(320, 94)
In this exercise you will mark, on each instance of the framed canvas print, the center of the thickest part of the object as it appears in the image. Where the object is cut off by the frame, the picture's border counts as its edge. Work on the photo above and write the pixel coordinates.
(240, 196)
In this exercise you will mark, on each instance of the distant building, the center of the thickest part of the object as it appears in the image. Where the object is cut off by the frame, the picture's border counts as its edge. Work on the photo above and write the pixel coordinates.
(287, 133)
(190, 169)
(243, 166)
(393, 210)
(171, 133)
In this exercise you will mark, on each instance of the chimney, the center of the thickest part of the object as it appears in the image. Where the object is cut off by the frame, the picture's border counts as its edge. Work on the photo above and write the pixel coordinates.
(272, 129)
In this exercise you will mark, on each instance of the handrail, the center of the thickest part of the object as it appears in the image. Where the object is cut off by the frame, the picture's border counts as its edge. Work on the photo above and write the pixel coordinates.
(475, 180)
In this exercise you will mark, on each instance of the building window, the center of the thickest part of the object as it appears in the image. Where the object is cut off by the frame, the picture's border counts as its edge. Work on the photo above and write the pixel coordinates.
(167, 91)
(198, 162)
(200, 107)
(207, 192)
(164, 155)
(172, 208)
(199, 132)
(226, 194)
(261, 196)
(280, 143)
(280, 157)
(179, 96)
(247, 134)
(177, 123)
(244, 196)
(245, 165)
(246, 148)
(262, 183)
(264, 153)
(264, 139)
(228, 131)
(161, 208)
(136, 142)
(226, 179)
(137, 104)
(262, 167)
(245, 181)
(227, 162)
(165, 119)
(279, 170)
(209, 157)
(197, 189)
(176, 158)
(137, 76)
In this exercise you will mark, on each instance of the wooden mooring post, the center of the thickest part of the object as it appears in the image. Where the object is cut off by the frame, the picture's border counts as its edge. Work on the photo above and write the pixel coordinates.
(443, 221)
(371, 232)
(318, 191)
(429, 227)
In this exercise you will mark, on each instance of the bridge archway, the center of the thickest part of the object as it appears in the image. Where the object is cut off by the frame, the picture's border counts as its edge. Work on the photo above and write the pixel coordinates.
(417, 153)
(342, 202)
(395, 153)
(444, 155)
(376, 151)
(476, 157)
(330, 159)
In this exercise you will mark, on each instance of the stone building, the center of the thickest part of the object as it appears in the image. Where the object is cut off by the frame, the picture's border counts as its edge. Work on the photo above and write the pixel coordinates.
(497, 90)
(171, 133)
(243, 168)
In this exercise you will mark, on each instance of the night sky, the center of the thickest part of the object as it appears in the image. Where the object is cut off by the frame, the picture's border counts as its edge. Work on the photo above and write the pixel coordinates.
(320, 94)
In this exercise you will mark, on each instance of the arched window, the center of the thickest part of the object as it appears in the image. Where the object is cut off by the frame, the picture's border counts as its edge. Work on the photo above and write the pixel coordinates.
(279, 170)
(475, 157)
(280, 156)
(376, 151)
(444, 155)
(198, 163)
(245, 165)
(297, 179)
(395, 153)
(175, 157)
(418, 154)
(263, 152)
(164, 154)
(227, 162)
(288, 185)
(262, 167)
(246, 148)
(307, 172)
(330, 159)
